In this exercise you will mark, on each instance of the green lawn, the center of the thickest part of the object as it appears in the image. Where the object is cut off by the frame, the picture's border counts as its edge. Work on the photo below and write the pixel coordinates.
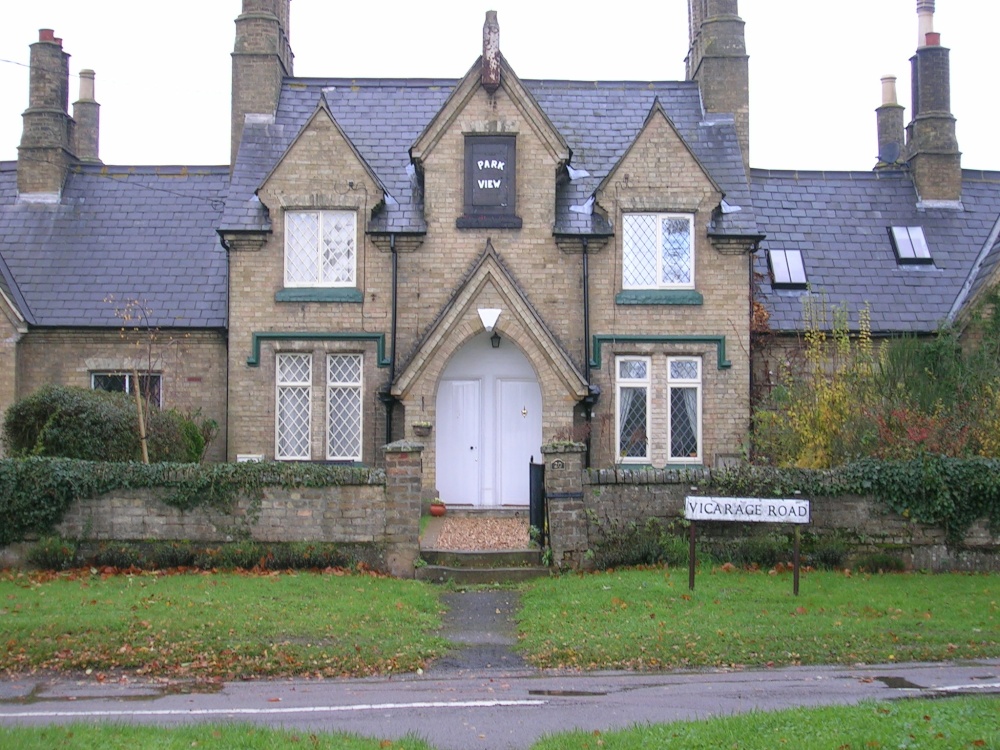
(914, 725)
(202, 736)
(648, 619)
(218, 625)
(952, 724)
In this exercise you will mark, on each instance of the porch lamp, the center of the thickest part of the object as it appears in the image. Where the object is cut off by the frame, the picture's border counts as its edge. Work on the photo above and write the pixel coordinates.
(489, 316)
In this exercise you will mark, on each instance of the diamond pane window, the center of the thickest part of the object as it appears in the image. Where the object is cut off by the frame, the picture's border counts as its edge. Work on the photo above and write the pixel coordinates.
(123, 382)
(632, 405)
(657, 251)
(343, 407)
(684, 388)
(787, 269)
(320, 248)
(910, 245)
(293, 411)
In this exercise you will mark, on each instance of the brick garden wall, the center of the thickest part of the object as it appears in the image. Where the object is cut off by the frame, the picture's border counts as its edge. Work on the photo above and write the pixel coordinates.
(608, 497)
(385, 514)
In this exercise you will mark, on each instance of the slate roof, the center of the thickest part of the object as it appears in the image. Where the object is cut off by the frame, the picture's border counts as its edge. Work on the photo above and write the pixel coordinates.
(383, 118)
(839, 221)
(145, 233)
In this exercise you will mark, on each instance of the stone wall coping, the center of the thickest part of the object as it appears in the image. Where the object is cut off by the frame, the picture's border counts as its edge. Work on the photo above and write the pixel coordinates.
(563, 448)
(404, 446)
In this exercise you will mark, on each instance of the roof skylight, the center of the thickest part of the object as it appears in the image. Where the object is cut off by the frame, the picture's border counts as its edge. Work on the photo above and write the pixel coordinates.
(787, 269)
(910, 245)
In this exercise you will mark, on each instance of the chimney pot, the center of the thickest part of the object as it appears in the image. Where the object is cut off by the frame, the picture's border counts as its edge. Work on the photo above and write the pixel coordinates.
(889, 90)
(933, 39)
(46, 35)
(925, 20)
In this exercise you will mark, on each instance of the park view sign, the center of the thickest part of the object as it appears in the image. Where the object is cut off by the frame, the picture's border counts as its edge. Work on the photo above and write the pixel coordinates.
(746, 510)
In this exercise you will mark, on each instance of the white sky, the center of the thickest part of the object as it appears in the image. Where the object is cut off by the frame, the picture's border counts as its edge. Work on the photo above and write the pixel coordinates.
(163, 69)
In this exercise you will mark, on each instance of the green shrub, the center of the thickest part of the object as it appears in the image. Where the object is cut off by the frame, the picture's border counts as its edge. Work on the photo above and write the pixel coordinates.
(306, 556)
(880, 562)
(764, 551)
(72, 423)
(100, 426)
(120, 555)
(171, 555)
(52, 553)
(828, 552)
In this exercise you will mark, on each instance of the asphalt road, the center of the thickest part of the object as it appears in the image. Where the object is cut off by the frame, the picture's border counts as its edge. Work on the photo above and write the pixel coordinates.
(493, 709)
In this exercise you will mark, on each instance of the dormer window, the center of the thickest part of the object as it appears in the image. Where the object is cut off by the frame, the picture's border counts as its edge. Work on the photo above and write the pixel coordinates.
(321, 248)
(910, 245)
(787, 269)
(490, 183)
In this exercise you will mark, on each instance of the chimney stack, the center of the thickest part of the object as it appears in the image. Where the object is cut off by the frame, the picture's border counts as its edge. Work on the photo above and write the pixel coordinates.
(491, 52)
(717, 59)
(44, 156)
(87, 114)
(891, 139)
(262, 57)
(933, 155)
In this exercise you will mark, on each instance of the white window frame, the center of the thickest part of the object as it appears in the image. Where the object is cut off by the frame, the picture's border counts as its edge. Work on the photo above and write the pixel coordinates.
(279, 385)
(129, 383)
(683, 383)
(632, 383)
(357, 385)
(321, 218)
(628, 249)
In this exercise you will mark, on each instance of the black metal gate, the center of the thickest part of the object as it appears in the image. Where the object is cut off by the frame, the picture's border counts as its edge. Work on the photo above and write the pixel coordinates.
(537, 515)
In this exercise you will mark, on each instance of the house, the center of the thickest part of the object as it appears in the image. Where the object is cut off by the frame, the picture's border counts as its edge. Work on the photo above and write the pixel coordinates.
(500, 261)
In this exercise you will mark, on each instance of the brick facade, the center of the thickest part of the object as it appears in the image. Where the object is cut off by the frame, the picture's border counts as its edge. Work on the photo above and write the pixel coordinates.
(192, 367)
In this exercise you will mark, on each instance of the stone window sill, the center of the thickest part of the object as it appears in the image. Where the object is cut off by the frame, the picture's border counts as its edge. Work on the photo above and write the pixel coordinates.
(319, 294)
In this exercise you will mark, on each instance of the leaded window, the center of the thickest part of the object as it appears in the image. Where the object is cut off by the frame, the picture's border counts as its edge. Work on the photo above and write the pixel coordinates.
(321, 248)
(684, 394)
(343, 407)
(293, 380)
(657, 251)
(632, 407)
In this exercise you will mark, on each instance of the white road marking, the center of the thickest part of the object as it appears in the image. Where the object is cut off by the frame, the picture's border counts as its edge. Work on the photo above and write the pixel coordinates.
(260, 711)
(976, 686)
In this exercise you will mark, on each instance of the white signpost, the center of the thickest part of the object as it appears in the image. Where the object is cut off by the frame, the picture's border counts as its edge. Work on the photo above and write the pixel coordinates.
(747, 510)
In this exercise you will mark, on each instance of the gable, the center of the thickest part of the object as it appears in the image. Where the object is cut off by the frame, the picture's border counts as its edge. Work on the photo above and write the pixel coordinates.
(510, 85)
(658, 171)
(490, 285)
(322, 168)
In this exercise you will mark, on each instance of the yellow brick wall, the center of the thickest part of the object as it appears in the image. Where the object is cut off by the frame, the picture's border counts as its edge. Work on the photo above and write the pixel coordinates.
(193, 367)
(320, 170)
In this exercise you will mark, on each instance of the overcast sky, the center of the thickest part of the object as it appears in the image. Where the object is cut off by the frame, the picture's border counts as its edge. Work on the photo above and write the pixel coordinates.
(163, 69)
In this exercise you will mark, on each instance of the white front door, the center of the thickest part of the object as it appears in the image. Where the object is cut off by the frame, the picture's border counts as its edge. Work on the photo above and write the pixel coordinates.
(489, 424)
(519, 417)
(458, 441)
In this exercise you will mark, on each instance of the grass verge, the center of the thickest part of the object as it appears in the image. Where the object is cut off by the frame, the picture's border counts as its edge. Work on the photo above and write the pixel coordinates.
(968, 722)
(202, 736)
(648, 619)
(220, 625)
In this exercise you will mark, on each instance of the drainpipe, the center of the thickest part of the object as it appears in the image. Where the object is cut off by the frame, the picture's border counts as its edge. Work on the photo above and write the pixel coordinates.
(387, 397)
(589, 403)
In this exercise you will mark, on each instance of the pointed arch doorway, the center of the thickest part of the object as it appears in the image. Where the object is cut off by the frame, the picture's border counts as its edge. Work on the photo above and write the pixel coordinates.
(489, 425)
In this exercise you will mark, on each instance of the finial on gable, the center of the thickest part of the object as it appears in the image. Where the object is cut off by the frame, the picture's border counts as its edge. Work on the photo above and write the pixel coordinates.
(491, 52)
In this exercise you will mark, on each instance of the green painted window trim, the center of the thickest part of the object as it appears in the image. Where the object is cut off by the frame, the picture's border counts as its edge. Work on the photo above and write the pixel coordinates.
(601, 339)
(319, 294)
(659, 297)
(257, 338)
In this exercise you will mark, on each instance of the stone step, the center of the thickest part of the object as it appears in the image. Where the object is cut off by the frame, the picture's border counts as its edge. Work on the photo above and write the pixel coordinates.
(508, 558)
(471, 576)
